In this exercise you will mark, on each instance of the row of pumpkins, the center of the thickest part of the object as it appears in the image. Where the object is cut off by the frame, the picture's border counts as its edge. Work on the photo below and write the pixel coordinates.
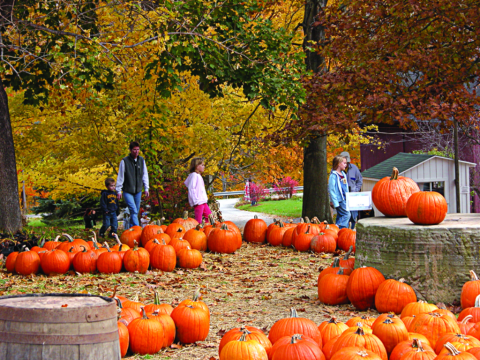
(422, 332)
(146, 329)
(398, 196)
(164, 247)
(308, 235)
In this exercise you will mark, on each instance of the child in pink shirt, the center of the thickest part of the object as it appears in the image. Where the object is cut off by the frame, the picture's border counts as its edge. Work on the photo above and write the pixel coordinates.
(197, 195)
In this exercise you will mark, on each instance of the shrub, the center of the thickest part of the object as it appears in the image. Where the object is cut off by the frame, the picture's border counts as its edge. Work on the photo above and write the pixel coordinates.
(257, 192)
(285, 188)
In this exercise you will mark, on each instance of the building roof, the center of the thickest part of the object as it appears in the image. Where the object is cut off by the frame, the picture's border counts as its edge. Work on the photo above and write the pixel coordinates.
(402, 161)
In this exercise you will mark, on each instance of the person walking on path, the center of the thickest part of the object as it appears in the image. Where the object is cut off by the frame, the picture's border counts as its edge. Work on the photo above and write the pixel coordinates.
(338, 189)
(132, 178)
(248, 192)
(197, 195)
(109, 205)
(355, 181)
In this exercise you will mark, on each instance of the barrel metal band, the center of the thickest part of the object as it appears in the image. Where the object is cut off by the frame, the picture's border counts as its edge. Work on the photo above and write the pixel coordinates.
(60, 315)
(42, 339)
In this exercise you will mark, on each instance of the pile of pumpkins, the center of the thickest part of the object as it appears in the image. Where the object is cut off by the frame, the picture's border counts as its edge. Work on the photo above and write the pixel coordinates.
(412, 331)
(155, 246)
(146, 329)
(316, 236)
(398, 196)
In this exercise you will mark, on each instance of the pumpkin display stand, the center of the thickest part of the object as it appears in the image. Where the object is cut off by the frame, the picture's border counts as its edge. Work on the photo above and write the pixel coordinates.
(435, 260)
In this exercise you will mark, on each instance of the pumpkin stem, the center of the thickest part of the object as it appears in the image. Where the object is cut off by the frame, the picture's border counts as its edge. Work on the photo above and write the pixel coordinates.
(402, 280)
(211, 219)
(156, 312)
(68, 237)
(451, 349)
(135, 244)
(477, 301)
(70, 250)
(224, 227)
(340, 271)
(42, 243)
(163, 242)
(308, 230)
(301, 221)
(185, 215)
(119, 303)
(333, 320)
(473, 276)
(394, 174)
(307, 220)
(347, 254)
(94, 236)
(83, 247)
(116, 238)
(243, 337)
(293, 313)
(144, 314)
(59, 236)
(114, 292)
(336, 262)
(197, 295)
(198, 227)
(244, 330)
(179, 230)
(120, 248)
(360, 331)
(156, 299)
(106, 245)
(466, 319)
(255, 216)
(388, 321)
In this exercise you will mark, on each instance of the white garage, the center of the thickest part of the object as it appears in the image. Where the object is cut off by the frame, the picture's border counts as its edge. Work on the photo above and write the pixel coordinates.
(430, 172)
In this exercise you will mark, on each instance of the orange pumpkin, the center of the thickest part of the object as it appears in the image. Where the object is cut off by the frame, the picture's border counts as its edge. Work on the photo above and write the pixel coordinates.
(362, 286)
(187, 222)
(255, 230)
(393, 296)
(150, 232)
(426, 208)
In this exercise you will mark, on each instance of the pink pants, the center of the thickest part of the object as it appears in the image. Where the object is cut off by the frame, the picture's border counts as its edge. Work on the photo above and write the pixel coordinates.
(200, 210)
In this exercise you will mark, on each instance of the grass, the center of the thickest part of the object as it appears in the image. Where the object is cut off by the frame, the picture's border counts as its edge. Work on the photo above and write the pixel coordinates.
(288, 208)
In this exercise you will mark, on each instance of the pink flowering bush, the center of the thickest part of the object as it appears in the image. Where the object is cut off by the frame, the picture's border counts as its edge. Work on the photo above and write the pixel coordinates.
(257, 192)
(285, 188)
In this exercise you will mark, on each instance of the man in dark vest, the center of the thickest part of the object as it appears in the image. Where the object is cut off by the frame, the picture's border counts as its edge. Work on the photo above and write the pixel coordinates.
(132, 178)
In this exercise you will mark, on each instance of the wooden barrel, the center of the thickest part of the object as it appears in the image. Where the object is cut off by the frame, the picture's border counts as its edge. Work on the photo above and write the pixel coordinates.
(58, 326)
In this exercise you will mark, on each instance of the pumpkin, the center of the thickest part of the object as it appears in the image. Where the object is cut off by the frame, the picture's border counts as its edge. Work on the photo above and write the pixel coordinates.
(327, 348)
(196, 238)
(134, 304)
(332, 288)
(407, 320)
(158, 306)
(465, 324)
(390, 194)
(433, 326)
(407, 346)
(74, 250)
(299, 349)
(10, 263)
(127, 314)
(453, 352)
(189, 258)
(302, 241)
(475, 331)
(39, 248)
(355, 353)
(383, 317)
(123, 337)
(109, 262)
(150, 232)
(346, 238)
(119, 246)
(192, 323)
(50, 245)
(150, 245)
(295, 325)
(195, 301)
(146, 335)
(362, 286)
(175, 230)
(423, 338)
(426, 208)
(391, 332)
(416, 308)
(347, 262)
(85, 261)
(393, 296)
(333, 269)
(361, 339)
(288, 237)
(456, 338)
(223, 240)
(27, 262)
(475, 352)
(130, 235)
(187, 222)
(444, 311)
(275, 237)
(323, 243)
(420, 353)
(287, 340)
(255, 230)
(364, 319)
(179, 244)
(163, 257)
(331, 328)
(243, 349)
(474, 311)
(93, 242)
(74, 242)
(136, 259)
(327, 229)
(168, 326)
(251, 333)
(359, 325)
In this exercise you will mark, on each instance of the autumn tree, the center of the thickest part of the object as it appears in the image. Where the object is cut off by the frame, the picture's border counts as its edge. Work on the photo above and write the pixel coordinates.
(73, 45)
(395, 61)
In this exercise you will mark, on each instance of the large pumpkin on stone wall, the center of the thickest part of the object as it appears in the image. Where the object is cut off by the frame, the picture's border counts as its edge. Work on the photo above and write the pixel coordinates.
(390, 194)
(427, 208)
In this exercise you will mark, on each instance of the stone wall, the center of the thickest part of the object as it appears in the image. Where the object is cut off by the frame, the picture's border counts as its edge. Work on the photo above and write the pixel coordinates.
(434, 260)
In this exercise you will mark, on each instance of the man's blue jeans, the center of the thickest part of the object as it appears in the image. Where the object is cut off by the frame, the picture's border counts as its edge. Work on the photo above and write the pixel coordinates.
(109, 219)
(343, 215)
(133, 203)
(353, 218)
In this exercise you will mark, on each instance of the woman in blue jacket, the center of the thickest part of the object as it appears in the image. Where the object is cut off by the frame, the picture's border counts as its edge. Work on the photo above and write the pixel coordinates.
(338, 189)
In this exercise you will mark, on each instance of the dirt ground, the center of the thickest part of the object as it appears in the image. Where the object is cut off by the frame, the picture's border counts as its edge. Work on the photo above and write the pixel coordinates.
(256, 286)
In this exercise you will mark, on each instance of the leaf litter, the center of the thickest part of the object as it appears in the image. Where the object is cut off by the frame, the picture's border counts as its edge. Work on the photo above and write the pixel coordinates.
(255, 286)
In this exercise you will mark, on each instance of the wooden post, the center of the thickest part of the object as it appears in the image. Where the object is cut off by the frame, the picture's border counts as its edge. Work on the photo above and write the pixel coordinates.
(457, 166)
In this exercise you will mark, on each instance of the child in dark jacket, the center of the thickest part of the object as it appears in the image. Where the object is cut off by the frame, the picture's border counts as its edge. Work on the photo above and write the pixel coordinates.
(90, 219)
(109, 205)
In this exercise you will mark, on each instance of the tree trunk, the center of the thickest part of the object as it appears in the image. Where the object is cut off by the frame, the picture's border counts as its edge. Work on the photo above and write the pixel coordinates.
(457, 166)
(315, 176)
(10, 214)
(315, 180)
